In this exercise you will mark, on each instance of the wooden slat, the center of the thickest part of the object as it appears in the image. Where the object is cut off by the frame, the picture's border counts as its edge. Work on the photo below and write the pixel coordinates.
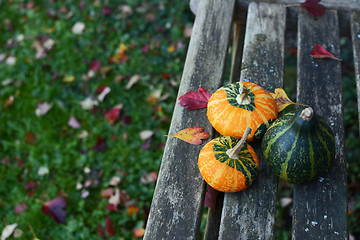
(355, 33)
(249, 214)
(320, 206)
(178, 199)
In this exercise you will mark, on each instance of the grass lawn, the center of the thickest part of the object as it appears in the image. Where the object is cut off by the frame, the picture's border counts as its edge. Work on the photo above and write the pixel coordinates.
(87, 90)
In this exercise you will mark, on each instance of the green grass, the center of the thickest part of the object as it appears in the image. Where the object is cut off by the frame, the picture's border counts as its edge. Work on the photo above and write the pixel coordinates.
(56, 145)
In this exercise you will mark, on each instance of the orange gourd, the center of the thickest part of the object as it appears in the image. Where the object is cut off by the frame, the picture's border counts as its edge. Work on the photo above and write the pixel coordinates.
(234, 107)
(228, 164)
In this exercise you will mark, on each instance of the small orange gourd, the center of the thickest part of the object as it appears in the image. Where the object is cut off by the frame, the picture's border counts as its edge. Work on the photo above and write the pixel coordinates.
(228, 164)
(234, 107)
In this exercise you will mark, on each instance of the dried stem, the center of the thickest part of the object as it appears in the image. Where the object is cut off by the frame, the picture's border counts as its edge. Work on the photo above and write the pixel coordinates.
(233, 153)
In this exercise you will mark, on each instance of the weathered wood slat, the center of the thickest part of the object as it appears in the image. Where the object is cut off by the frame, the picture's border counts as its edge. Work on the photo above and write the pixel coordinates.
(178, 199)
(355, 33)
(249, 214)
(320, 207)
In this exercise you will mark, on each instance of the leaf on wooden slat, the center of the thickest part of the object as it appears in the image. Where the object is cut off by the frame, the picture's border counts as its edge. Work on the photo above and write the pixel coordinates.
(192, 135)
(320, 52)
(195, 99)
(314, 7)
(281, 99)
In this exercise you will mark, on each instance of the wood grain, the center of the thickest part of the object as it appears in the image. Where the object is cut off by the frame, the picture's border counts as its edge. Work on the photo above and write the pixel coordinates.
(320, 206)
(250, 214)
(355, 36)
(178, 199)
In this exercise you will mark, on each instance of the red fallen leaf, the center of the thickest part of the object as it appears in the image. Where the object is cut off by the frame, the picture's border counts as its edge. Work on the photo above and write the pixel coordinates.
(54, 209)
(195, 99)
(109, 225)
(112, 207)
(100, 145)
(95, 65)
(106, 10)
(314, 7)
(210, 198)
(321, 52)
(30, 138)
(192, 135)
(30, 187)
(20, 207)
(113, 114)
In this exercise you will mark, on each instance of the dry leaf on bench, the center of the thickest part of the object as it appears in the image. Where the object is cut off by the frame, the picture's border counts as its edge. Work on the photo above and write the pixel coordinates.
(192, 135)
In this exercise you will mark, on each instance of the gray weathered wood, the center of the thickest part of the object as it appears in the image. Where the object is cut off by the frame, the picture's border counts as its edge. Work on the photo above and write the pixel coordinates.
(338, 4)
(320, 206)
(355, 33)
(250, 214)
(178, 199)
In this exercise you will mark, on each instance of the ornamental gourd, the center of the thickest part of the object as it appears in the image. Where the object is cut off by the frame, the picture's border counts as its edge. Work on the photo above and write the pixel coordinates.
(234, 107)
(228, 164)
(299, 146)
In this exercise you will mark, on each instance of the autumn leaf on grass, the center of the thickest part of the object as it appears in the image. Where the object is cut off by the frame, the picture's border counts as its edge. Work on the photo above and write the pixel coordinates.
(54, 209)
(195, 99)
(109, 226)
(320, 52)
(192, 135)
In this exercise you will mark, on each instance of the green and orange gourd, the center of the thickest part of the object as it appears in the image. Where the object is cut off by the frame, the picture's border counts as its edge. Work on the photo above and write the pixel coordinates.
(228, 164)
(234, 107)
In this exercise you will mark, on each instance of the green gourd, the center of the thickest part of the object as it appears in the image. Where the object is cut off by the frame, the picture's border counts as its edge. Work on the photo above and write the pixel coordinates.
(299, 146)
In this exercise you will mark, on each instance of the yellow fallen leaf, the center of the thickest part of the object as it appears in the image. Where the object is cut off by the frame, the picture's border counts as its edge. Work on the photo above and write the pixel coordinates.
(192, 135)
(281, 99)
(70, 78)
(122, 48)
(171, 49)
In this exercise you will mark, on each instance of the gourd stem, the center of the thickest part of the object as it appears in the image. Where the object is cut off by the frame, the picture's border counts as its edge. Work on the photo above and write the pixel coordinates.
(243, 98)
(307, 114)
(233, 153)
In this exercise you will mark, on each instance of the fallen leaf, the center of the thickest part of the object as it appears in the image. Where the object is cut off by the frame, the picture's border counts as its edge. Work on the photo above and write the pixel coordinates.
(8, 231)
(134, 79)
(131, 210)
(112, 207)
(54, 209)
(42, 108)
(39, 48)
(74, 123)
(30, 187)
(285, 201)
(43, 171)
(210, 198)
(314, 7)
(113, 114)
(78, 28)
(20, 207)
(95, 65)
(100, 145)
(147, 178)
(281, 99)
(195, 99)
(114, 181)
(106, 10)
(88, 103)
(11, 60)
(192, 135)
(138, 232)
(171, 48)
(69, 78)
(107, 192)
(321, 52)
(30, 138)
(145, 134)
(109, 226)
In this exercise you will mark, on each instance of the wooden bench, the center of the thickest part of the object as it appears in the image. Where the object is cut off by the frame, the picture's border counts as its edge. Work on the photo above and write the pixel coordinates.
(319, 208)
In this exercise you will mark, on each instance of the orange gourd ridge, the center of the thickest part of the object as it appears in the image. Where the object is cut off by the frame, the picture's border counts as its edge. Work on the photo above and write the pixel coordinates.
(234, 107)
(224, 173)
